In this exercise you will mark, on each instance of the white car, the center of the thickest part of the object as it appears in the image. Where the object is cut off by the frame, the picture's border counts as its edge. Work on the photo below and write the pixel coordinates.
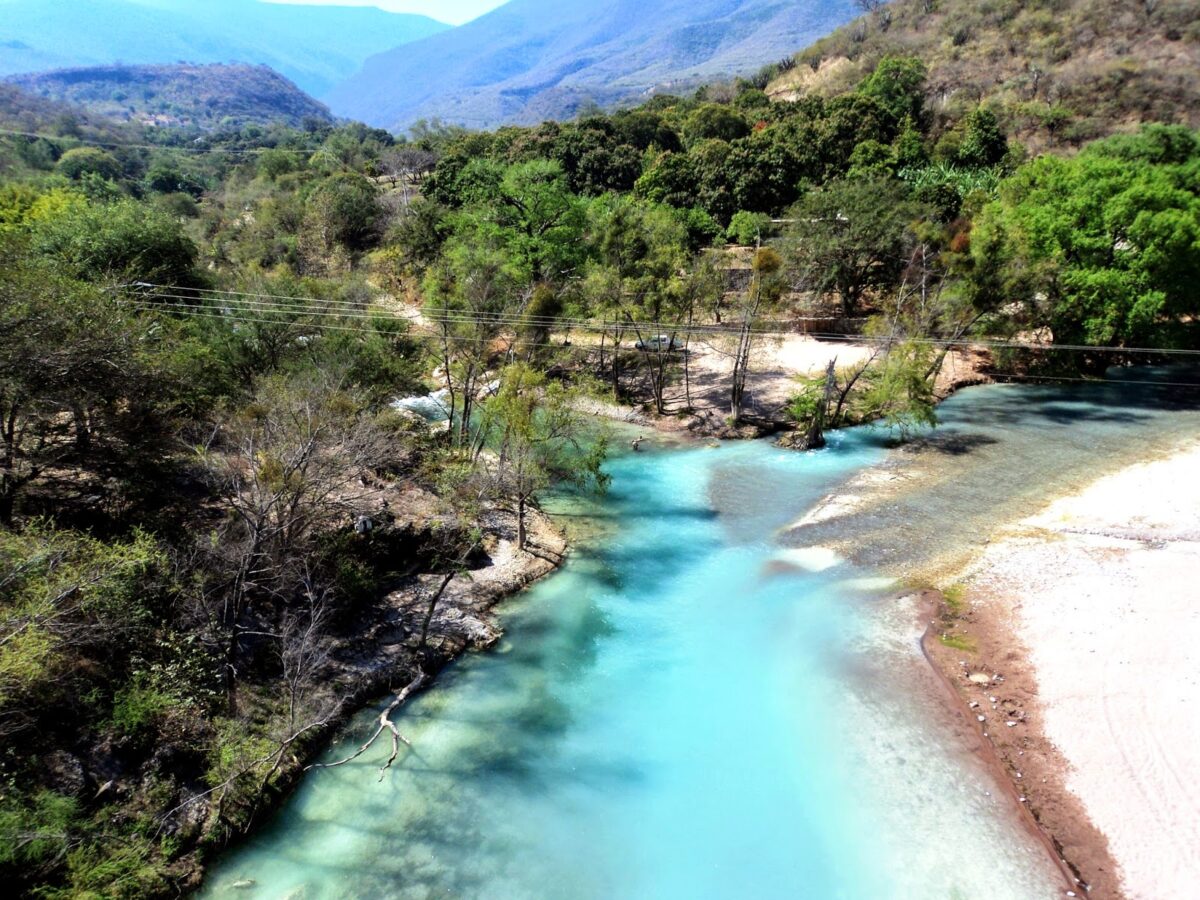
(661, 342)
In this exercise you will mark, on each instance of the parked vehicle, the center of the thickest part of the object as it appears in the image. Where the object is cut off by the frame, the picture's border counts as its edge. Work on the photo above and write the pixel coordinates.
(660, 342)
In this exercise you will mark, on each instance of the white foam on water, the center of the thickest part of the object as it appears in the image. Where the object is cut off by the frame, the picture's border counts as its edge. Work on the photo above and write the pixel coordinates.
(811, 559)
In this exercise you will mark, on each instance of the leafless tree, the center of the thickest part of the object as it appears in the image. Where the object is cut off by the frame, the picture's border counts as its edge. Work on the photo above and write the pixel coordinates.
(290, 466)
(407, 167)
(304, 648)
(764, 288)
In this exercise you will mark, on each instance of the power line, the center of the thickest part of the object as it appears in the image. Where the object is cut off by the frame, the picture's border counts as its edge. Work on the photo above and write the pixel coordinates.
(210, 313)
(130, 146)
(314, 306)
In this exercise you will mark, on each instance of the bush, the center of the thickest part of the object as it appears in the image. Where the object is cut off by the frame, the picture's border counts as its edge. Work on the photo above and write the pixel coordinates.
(124, 240)
(748, 228)
(81, 161)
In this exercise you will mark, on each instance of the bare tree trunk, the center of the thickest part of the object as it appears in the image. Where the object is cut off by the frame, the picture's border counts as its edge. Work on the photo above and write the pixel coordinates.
(741, 368)
(814, 438)
(521, 536)
(433, 602)
(687, 358)
(83, 431)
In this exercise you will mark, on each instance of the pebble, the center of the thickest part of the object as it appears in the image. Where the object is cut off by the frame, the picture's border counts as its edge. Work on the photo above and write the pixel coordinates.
(1011, 724)
(982, 718)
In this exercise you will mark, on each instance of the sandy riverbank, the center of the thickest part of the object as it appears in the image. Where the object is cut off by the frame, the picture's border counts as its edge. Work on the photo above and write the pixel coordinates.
(1087, 613)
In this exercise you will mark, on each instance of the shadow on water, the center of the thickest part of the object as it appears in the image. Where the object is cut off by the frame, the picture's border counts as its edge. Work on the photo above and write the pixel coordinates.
(950, 443)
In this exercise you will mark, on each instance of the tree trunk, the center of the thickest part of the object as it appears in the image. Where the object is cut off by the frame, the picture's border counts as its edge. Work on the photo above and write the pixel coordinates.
(741, 366)
(433, 602)
(83, 431)
(521, 536)
(814, 437)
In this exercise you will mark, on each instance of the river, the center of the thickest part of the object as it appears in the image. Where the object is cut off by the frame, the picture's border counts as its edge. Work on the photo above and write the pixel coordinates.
(688, 709)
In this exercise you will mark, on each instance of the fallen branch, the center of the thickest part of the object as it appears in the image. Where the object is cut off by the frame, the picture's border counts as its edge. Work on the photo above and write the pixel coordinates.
(385, 724)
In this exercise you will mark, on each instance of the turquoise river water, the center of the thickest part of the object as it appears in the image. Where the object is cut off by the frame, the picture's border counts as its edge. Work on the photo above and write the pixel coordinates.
(689, 709)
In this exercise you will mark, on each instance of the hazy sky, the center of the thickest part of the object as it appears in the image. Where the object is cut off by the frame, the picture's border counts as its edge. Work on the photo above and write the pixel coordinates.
(453, 11)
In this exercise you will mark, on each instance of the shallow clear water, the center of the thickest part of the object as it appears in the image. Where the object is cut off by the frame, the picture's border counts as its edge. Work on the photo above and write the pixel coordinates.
(687, 710)
(998, 454)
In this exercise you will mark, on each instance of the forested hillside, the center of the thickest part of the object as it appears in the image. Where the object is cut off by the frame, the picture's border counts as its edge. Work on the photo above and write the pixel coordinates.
(183, 95)
(219, 531)
(314, 46)
(531, 60)
(1060, 72)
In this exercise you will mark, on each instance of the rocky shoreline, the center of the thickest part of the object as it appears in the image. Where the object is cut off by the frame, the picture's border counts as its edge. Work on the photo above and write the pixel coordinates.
(380, 652)
(993, 692)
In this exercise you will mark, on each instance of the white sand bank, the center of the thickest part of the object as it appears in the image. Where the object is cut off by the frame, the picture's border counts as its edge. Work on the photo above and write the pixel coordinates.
(1104, 590)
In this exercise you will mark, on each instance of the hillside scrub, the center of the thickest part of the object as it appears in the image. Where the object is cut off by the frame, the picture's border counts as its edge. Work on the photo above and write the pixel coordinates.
(1059, 72)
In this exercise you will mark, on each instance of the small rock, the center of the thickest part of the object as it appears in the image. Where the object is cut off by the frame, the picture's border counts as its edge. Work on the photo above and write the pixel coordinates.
(1011, 724)
(981, 718)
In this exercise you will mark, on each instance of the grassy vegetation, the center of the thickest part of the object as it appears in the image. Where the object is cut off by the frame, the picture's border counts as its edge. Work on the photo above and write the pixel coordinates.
(958, 642)
(955, 598)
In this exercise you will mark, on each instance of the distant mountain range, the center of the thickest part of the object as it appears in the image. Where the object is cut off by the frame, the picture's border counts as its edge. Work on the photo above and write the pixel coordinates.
(535, 59)
(314, 46)
(181, 95)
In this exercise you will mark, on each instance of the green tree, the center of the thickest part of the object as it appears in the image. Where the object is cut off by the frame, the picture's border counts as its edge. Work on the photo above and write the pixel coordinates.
(540, 436)
(715, 121)
(747, 228)
(1103, 248)
(80, 390)
(81, 161)
(122, 241)
(852, 239)
(898, 83)
(637, 281)
(343, 211)
(983, 142)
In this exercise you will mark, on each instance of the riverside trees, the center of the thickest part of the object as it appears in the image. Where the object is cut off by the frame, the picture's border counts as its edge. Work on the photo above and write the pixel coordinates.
(1101, 248)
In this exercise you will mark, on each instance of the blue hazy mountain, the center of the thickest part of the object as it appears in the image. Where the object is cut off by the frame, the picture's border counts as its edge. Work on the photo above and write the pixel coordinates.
(314, 46)
(536, 59)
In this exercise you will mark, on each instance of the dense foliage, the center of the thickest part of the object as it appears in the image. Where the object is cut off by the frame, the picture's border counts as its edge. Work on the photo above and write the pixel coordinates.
(200, 345)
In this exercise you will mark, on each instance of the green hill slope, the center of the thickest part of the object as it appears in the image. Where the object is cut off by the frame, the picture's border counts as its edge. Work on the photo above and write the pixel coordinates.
(1060, 71)
(205, 96)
